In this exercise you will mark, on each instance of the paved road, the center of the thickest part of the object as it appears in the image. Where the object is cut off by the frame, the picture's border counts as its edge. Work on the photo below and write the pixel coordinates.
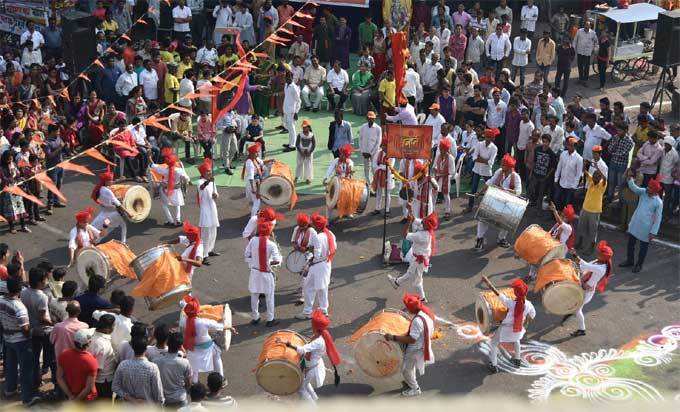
(632, 305)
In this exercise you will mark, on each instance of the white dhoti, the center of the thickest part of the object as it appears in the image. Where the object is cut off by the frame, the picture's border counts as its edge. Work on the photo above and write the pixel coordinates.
(261, 283)
(304, 167)
(254, 202)
(414, 273)
(315, 288)
(115, 220)
(482, 228)
(409, 367)
(580, 318)
(208, 237)
(495, 342)
(206, 357)
(314, 377)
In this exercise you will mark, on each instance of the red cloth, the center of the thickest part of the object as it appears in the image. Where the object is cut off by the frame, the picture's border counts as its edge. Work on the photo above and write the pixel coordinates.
(191, 309)
(346, 150)
(126, 137)
(4, 275)
(320, 324)
(431, 223)
(520, 288)
(303, 220)
(264, 229)
(170, 161)
(654, 186)
(205, 167)
(569, 212)
(605, 254)
(84, 215)
(78, 366)
(399, 56)
(320, 223)
(192, 233)
(415, 305)
(508, 161)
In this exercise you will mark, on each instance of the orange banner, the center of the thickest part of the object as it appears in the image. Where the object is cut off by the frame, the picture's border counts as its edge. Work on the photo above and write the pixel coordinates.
(16, 190)
(409, 142)
(96, 154)
(49, 184)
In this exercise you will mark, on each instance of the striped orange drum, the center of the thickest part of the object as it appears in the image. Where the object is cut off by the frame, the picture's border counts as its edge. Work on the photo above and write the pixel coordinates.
(490, 310)
(278, 367)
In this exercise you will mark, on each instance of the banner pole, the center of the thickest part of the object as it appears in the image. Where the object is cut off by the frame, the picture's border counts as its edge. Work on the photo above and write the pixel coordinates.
(386, 193)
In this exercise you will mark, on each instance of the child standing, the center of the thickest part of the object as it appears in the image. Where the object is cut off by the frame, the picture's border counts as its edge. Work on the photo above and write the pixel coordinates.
(305, 145)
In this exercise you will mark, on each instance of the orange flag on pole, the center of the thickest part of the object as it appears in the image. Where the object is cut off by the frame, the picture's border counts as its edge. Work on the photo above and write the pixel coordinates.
(67, 165)
(96, 154)
(180, 108)
(84, 77)
(49, 184)
(16, 190)
(65, 95)
(294, 23)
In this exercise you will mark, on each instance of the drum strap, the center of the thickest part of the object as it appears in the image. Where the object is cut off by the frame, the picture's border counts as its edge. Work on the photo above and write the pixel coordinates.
(424, 260)
(302, 238)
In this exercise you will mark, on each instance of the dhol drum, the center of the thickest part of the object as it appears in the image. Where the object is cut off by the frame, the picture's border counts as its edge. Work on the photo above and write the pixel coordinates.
(296, 261)
(278, 187)
(278, 367)
(501, 208)
(560, 282)
(374, 355)
(168, 299)
(106, 259)
(220, 314)
(490, 310)
(535, 246)
(135, 199)
(146, 259)
(348, 196)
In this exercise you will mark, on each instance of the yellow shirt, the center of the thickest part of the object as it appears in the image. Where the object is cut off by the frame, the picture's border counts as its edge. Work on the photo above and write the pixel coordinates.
(389, 91)
(171, 88)
(225, 60)
(182, 67)
(167, 56)
(110, 26)
(593, 201)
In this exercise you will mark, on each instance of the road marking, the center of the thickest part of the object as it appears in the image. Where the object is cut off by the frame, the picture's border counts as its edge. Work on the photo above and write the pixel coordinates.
(53, 229)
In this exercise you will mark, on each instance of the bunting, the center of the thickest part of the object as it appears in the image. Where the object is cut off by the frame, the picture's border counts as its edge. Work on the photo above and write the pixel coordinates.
(96, 154)
(49, 184)
(67, 165)
(16, 190)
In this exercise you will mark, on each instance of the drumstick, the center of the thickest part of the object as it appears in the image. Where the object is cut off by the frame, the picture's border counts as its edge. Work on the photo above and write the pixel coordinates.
(490, 285)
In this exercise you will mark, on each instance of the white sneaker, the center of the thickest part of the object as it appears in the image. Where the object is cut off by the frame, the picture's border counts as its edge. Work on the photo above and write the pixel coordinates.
(393, 281)
(302, 316)
(411, 392)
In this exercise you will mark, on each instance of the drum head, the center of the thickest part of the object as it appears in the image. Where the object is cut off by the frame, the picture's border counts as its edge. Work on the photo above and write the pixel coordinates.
(364, 200)
(137, 202)
(226, 320)
(171, 298)
(332, 192)
(563, 298)
(91, 261)
(279, 377)
(276, 191)
(377, 357)
(558, 252)
(501, 208)
(483, 314)
(296, 261)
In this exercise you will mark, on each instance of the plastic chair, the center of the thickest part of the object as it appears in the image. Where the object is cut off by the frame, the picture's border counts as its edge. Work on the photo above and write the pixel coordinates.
(456, 176)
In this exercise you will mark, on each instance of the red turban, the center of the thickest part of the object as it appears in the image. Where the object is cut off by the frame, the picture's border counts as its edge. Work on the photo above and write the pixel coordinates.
(346, 150)
(104, 178)
(492, 133)
(320, 224)
(191, 309)
(193, 233)
(254, 148)
(569, 212)
(320, 323)
(267, 214)
(418, 167)
(205, 167)
(303, 219)
(445, 145)
(654, 186)
(84, 215)
(520, 288)
(508, 161)
(167, 151)
(431, 223)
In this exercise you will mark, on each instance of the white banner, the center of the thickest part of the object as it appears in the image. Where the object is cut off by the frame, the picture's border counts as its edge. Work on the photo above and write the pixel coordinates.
(347, 3)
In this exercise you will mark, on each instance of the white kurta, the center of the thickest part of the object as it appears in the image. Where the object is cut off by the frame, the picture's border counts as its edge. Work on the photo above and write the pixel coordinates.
(418, 205)
(206, 355)
(506, 328)
(261, 280)
(319, 274)
(315, 368)
(207, 206)
(416, 332)
(441, 173)
(254, 174)
(598, 271)
(88, 237)
(251, 227)
(378, 165)
(108, 203)
(176, 197)
(343, 170)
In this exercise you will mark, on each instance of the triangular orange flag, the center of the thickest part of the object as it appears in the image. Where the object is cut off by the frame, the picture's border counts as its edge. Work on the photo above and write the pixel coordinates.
(270, 40)
(294, 23)
(246, 65)
(96, 154)
(67, 165)
(285, 30)
(180, 108)
(49, 184)
(51, 99)
(218, 79)
(98, 63)
(126, 37)
(141, 21)
(84, 77)
(304, 15)
(168, 2)
(260, 55)
(157, 125)
(65, 95)
(16, 190)
(110, 50)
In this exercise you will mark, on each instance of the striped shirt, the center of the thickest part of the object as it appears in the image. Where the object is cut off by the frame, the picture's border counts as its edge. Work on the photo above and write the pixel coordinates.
(13, 316)
(140, 379)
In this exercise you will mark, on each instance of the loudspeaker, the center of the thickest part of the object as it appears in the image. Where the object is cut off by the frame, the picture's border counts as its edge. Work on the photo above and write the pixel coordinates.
(78, 41)
(667, 43)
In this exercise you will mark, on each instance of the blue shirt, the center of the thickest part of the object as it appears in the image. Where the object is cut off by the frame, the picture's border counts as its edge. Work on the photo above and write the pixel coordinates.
(107, 83)
(343, 135)
(647, 216)
(89, 302)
